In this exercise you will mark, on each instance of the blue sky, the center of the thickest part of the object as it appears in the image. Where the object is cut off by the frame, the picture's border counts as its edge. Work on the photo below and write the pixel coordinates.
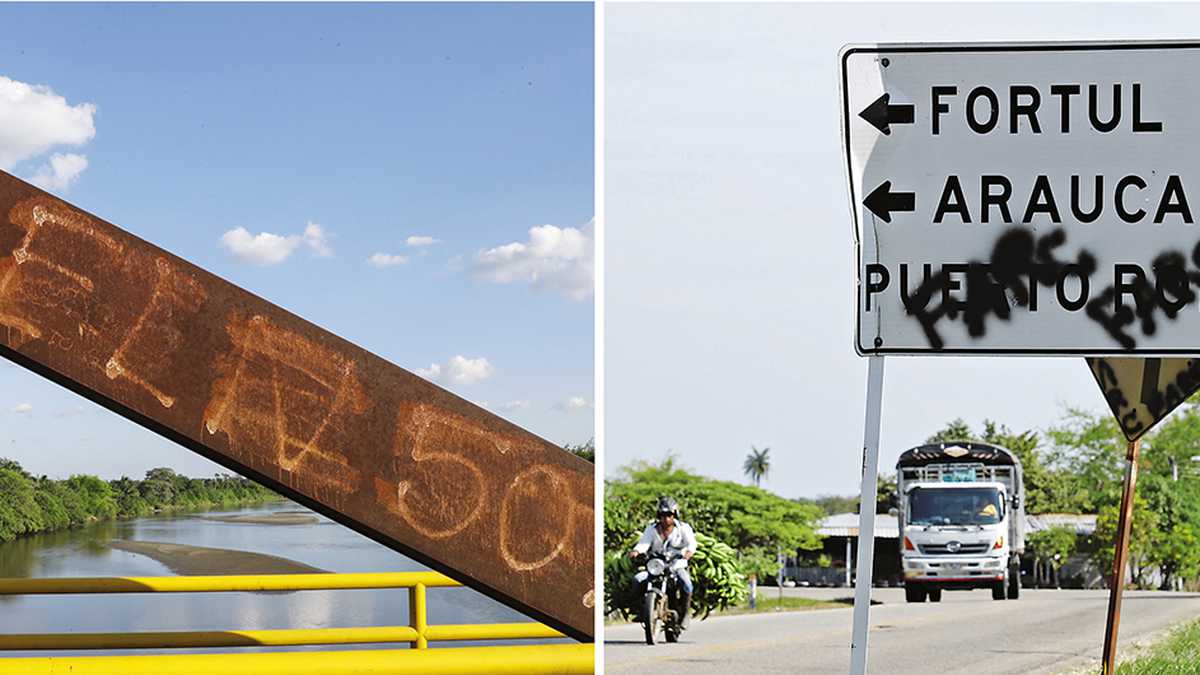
(283, 147)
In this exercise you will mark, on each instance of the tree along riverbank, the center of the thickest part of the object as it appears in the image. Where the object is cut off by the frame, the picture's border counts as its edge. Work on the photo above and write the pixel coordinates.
(29, 504)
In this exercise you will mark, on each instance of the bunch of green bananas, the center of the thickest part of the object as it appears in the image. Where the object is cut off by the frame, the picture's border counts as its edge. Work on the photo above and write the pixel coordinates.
(714, 569)
(715, 574)
(620, 596)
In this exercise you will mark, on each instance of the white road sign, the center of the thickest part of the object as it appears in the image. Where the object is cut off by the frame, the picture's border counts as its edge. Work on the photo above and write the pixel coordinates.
(1025, 198)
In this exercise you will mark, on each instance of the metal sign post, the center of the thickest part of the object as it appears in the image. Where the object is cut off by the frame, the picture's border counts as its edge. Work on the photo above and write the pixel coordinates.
(1120, 559)
(866, 517)
(779, 558)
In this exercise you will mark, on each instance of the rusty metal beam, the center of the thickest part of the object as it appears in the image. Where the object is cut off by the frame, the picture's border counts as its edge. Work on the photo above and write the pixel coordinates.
(273, 397)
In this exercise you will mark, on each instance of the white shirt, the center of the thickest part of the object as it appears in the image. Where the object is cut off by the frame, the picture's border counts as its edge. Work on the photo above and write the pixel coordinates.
(681, 539)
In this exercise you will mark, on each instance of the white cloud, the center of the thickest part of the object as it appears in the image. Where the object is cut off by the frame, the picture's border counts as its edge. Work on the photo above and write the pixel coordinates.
(70, 412)
(60, 172)
(554, 258)
(23, 409)
(418, 240)
(386, 260)
(266, 248)
(515, 405)
(34, 119)
(575, 403)
(261, 249)
(458, 370)
(318, 240)
(433, 372)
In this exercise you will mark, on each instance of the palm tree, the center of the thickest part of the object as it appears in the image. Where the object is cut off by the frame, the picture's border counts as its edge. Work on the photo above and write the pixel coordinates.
(757, 464)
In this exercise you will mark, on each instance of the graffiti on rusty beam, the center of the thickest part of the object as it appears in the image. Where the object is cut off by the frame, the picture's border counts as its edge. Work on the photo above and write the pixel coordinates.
(270, 395)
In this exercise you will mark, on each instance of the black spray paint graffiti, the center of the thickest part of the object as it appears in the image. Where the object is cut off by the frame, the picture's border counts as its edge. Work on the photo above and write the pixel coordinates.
(1020, 265)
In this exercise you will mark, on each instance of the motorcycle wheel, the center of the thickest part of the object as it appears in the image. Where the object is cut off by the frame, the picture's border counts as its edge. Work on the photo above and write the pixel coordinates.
(672, 634)
(650, 615)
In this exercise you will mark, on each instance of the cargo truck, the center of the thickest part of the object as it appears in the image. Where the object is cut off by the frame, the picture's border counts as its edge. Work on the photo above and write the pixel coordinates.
(962, 520)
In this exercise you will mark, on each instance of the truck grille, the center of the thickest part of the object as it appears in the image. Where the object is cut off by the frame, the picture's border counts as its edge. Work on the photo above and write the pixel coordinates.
(965, 549)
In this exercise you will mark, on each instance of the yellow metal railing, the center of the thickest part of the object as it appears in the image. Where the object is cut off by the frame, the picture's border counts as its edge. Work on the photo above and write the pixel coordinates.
(556, 658)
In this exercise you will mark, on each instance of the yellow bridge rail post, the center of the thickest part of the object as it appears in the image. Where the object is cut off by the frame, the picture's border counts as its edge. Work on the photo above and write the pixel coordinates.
(416, 614)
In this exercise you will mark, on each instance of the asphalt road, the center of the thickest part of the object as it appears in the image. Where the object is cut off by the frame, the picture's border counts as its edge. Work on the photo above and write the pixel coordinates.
(968, 632)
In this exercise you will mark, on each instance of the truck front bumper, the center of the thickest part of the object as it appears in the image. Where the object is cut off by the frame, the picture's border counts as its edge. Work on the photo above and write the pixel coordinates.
(955, 571)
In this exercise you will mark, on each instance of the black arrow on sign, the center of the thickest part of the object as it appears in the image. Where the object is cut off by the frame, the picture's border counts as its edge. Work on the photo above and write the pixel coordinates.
(882, 201)
(879, 114)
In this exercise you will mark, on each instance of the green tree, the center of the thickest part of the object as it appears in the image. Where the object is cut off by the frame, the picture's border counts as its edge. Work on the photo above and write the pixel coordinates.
(13, 465)
(832, 504)
(759, 561)
(886, 497)
(586, 451)
(739, 515)
(956, 430)
(129, 499)
(19, 510)
(1087, 451)
(1046, 490)
(1175, 544)
(98, 500)
(757, 465)
(158, 489)
(54, 514)
(1141, 537)
(1051, 548)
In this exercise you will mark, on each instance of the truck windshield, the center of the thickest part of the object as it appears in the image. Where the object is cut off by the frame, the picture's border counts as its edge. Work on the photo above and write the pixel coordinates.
(955, 506)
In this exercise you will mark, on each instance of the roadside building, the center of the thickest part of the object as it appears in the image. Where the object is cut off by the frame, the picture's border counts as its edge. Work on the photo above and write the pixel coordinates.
(840, 544)
(1080, 569)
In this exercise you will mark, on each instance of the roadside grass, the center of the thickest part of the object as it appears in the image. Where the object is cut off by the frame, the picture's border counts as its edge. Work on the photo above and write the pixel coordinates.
(1177, 654)
(773, 603)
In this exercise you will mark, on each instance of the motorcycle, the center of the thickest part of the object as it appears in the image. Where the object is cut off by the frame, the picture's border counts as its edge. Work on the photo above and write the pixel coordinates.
(662, 599)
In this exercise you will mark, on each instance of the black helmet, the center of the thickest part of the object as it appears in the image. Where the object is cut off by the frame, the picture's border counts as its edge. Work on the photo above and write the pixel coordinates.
(667, 505)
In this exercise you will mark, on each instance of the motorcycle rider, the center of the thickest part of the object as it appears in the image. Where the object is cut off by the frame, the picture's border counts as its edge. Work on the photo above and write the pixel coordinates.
(669, 534)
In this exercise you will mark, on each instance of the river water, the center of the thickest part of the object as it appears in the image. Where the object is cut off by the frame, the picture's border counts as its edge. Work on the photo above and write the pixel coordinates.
(324, 544)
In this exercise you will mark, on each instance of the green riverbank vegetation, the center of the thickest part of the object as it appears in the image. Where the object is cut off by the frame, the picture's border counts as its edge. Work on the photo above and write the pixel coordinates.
(30, 504)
